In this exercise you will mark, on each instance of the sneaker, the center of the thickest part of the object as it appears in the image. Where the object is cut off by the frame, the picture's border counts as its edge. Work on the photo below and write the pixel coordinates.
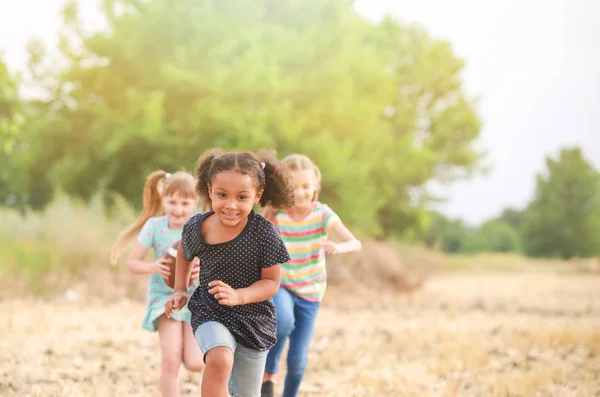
(267, 389)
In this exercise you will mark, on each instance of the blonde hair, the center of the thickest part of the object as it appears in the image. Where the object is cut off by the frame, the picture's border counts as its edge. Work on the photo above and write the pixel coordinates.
(297, 162)
(300, 162)
(159, 184)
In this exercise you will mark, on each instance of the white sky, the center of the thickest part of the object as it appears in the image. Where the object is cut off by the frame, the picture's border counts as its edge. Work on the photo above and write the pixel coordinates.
(535, 64)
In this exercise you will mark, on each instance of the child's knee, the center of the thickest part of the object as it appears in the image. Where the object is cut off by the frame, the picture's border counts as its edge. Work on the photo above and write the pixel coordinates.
(194, 365)
(220, 359)
(285, 326)
(297, 363)
(170, 363)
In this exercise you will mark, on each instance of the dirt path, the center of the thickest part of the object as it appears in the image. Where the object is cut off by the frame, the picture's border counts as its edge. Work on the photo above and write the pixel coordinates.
(463, 335)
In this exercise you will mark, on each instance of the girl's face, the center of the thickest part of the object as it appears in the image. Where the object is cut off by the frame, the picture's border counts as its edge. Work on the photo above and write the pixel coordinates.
(305, 186)
(179, 209)
(233, 195)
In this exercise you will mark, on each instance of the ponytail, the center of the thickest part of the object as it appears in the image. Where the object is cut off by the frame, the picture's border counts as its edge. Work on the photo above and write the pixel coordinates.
(204, 175)
(278, 190)
(152, 206)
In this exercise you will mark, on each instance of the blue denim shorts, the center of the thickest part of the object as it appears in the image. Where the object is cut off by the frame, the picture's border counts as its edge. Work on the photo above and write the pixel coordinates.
(248, 364)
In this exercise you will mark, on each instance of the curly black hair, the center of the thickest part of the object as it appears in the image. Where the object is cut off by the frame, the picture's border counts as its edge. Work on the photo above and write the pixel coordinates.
(274, 178)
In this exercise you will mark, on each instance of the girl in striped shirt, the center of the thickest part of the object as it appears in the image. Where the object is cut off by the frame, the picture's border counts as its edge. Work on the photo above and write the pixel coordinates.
(303, 228)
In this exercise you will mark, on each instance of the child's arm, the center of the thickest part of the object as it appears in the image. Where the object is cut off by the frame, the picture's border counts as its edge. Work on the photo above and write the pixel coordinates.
(135, 262)
(349, 242)
(183, 271)
(260, 291)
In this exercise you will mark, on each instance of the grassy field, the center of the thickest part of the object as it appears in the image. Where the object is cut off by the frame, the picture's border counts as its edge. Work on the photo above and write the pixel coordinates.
(397, 320)
(513, 334)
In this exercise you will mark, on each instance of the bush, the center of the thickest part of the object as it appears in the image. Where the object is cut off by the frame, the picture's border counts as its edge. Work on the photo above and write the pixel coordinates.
(66, 238)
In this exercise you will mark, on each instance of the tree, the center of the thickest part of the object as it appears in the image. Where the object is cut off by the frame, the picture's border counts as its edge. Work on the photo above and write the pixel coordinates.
(431, 124)
(8, 109)
(448, 234)
(563, 220)
(493, 236)
(380, 108)
(9, 135)
(452, 236)
(512, 216)
(26, 153)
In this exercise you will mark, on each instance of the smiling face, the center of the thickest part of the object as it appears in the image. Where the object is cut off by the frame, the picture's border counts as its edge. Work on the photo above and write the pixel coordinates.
(179, 208)
(305, 185)
(233, 195)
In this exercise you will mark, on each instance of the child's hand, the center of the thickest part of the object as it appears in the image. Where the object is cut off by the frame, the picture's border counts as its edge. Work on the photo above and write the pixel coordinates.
(161, 267)
(195, 271)
(223, 293)
(331, 248)
(175, 302)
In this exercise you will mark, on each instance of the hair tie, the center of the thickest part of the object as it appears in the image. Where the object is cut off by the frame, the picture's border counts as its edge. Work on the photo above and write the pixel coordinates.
(262, 164)
(167, 175)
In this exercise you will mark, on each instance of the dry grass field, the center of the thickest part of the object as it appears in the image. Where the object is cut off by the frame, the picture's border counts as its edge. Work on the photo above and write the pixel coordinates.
(396, 321)
(463, 334)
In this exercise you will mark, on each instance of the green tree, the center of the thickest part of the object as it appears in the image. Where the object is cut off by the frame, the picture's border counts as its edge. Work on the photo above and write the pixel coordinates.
(512, 216)
(563, 220)
(380, 108)
(447, 234)
(26, 152)
(431, 124)
(493, 236)
(9, 108)
(10, 119)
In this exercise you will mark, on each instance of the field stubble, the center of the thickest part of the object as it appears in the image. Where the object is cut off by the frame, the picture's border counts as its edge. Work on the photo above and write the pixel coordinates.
(485, 334)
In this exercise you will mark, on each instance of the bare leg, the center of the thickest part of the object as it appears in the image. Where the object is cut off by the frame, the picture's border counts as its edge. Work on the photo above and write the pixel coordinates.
(219, 363)
(192, 355)
(171, 346)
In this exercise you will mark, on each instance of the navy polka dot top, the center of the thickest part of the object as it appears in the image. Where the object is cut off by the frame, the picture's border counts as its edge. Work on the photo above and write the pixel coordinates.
(237, 263)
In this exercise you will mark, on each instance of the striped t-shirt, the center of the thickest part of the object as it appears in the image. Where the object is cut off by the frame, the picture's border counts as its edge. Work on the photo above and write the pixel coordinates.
(305, 274)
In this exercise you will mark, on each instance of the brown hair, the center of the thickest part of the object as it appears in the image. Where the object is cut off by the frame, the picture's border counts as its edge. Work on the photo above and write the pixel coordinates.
(273, 178)
(159, 184)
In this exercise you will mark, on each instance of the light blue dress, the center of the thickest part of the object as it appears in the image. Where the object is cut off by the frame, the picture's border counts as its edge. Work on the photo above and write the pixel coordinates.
(157, 236)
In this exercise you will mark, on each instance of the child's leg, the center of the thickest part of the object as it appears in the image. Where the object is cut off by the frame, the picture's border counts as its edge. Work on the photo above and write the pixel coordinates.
(284, 303)
(170, 335)
(246, 376)
(305, 313)
(218, 346)
(192, 356)
(219, 362)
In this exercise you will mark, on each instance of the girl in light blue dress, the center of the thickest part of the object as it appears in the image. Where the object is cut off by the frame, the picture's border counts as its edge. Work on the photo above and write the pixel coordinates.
(169, 201)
